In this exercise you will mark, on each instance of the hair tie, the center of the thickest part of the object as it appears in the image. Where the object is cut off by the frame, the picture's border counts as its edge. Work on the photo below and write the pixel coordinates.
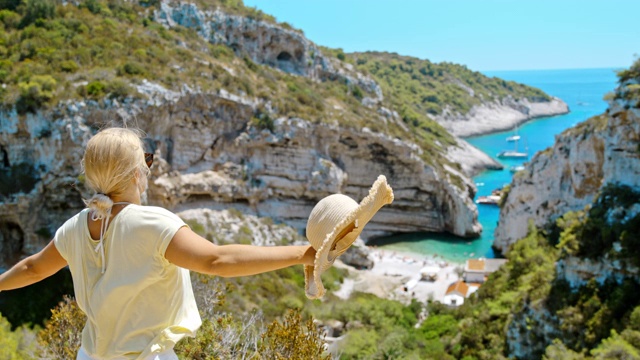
(102, 194)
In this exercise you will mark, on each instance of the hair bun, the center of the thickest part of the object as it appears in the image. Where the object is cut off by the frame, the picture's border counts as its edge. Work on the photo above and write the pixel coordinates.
(100, 203)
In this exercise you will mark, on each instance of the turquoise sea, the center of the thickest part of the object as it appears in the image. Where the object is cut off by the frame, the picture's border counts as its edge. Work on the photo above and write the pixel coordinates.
(582, 89)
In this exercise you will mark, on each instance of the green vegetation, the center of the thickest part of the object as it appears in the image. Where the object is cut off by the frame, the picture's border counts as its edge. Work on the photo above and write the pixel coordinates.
(589, 126)
(16, 344)
(587, 318)
(419, 87)
(629, 88)
(606, 229)
(60, 339)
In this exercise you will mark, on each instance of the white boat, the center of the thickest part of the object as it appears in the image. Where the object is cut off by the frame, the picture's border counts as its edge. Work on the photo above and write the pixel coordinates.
(488, 200)
(514, 137)
(513, 154)
(514, 169)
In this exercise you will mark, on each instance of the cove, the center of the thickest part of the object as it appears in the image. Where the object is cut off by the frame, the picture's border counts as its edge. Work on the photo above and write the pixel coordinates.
(582, 89)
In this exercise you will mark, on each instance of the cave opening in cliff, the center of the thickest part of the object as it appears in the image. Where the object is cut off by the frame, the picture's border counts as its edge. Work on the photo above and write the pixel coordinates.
(284, 56)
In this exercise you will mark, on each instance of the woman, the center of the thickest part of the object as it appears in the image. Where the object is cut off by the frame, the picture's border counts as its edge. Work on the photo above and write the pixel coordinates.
(130, 263)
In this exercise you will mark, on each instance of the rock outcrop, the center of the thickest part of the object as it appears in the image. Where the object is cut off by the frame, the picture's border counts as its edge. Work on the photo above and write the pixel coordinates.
(491, 117)
(567, 176)
(266, 43)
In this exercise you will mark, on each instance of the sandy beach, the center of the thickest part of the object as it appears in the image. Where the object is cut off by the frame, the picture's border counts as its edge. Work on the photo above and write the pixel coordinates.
(397, 275)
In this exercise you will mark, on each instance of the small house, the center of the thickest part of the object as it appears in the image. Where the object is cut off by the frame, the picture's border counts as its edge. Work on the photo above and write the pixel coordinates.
(477, 270)
(458, 291)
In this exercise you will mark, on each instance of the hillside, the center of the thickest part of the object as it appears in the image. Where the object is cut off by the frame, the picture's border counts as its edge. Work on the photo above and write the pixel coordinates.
(463, 101)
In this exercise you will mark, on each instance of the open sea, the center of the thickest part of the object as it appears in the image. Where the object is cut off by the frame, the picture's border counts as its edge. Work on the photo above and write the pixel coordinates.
(582, 89)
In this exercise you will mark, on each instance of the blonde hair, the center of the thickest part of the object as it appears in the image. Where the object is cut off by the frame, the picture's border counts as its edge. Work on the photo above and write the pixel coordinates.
(110, 162)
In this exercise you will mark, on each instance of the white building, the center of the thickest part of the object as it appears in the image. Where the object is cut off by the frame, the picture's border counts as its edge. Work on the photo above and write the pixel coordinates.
(477, 270)
(457, 292)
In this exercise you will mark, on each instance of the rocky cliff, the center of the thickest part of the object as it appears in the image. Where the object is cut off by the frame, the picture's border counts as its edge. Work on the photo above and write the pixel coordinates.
(567, 176)
(265, 43)
(210, 156)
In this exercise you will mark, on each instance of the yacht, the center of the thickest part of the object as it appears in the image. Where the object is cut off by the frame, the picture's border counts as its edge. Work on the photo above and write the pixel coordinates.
(513, 154)
(514, 137)
(488, 200)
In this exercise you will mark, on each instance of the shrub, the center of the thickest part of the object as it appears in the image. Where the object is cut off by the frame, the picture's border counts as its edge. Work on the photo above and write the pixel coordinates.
(14, 345)
(35, 92)
(69, 66)
(35, 10)
(133, 68)
(119, 89)
(356, 91)
(292, 339)
(10, 19)
(263, 122)
(96, 89)
(92, 5)
(63, 332)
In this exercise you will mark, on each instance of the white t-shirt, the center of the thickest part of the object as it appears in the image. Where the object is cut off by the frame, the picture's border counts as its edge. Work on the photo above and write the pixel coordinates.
(142, 304)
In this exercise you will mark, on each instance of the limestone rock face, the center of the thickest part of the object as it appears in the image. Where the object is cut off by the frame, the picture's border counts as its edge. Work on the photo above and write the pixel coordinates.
(498, 115)
(471, 159)
(209, 156)
(566, 176)
(578, 271)
(283, 174)
(266, 43)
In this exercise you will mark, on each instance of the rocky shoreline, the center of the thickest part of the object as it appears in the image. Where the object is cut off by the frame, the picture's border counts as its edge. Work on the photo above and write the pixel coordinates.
(492, 117)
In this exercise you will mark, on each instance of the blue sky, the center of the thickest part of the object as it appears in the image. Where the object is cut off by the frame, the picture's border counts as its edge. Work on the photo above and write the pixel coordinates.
(482, 34)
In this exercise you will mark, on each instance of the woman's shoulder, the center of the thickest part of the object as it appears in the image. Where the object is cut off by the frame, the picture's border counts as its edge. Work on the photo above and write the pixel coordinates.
(155, 212)
(77, 218)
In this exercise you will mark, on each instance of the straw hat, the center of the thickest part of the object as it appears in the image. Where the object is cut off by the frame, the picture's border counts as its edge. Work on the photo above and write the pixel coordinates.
(334, 224)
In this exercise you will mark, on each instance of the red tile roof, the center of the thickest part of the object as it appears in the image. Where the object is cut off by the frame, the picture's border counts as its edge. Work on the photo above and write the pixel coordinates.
(460, 286)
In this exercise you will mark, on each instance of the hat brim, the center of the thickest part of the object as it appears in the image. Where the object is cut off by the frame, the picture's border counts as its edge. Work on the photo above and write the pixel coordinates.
(344, 234)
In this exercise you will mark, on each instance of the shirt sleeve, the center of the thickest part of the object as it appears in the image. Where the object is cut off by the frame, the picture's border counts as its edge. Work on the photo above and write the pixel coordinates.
(168, 225)
(61, 238)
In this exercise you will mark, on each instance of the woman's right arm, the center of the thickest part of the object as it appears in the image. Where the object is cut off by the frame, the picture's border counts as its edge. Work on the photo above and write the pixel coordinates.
(33, 268)
(191, 251)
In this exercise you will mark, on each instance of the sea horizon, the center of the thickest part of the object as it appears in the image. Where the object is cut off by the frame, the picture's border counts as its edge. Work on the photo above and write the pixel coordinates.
(621, 67)
(582, 89)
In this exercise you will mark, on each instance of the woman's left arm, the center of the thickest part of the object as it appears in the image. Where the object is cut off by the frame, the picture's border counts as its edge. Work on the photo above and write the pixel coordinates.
(33, 269)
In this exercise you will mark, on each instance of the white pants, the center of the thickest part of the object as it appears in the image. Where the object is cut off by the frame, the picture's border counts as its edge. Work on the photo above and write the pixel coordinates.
(165, 355)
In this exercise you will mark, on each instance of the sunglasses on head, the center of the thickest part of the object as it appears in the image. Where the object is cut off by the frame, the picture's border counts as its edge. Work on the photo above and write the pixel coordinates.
(148, 158)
